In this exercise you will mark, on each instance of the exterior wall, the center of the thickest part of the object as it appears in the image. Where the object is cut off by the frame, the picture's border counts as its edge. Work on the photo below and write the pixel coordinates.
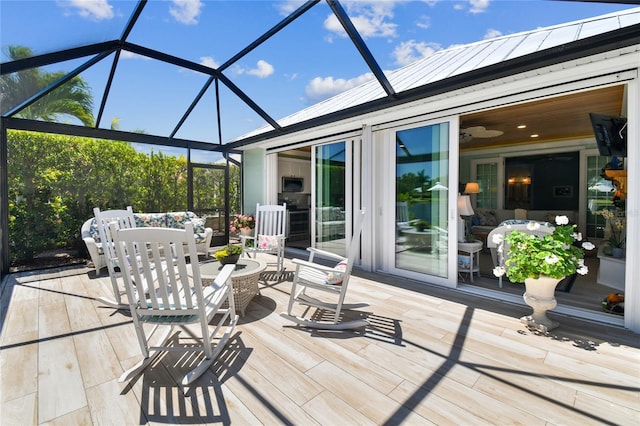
(254, 188)
(614, 67)
(632, 290)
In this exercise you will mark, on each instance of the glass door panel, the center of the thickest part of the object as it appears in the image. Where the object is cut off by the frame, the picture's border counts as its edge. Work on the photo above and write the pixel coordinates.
(330, 197)
(487, 178)
(600, 192)
(208, 195)
(422, 190)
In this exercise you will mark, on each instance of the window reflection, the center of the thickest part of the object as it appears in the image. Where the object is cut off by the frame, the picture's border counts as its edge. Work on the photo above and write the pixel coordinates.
(330, 197)
(422, 181)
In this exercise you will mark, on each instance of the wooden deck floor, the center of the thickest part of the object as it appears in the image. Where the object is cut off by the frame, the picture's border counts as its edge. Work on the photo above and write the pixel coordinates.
(430, 356)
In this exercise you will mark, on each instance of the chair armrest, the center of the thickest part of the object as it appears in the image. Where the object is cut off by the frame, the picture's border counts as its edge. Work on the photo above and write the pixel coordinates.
(245, 240)
(223, 276)
(96, 257)
(327, 254)
(316, 266)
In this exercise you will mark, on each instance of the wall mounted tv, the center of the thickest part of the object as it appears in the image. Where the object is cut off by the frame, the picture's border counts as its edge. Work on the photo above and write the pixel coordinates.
(610, 133)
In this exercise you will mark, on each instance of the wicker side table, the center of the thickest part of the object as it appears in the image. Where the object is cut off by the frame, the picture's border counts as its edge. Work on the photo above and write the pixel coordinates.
(244, 279)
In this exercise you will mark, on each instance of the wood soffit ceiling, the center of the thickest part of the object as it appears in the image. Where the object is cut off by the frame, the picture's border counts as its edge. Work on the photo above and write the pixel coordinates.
(554, 119)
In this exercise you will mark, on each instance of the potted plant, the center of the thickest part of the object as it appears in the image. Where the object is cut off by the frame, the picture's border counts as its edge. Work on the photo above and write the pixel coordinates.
(541, 262)
(616, 226)
(420, 225)
(242, 223)
(228, 254)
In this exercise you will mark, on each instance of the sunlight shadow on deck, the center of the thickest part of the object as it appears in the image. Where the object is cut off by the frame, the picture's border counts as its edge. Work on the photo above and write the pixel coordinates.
(163, 400)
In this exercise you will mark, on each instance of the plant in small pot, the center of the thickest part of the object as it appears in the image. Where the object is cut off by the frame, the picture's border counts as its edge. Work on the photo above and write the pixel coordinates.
(420, 225)
(541, 262)
(242, 223)
(228, 254)
(616, 225)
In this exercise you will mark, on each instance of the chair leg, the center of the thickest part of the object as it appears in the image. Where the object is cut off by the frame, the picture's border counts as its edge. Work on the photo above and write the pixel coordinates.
(292, 296)
(193, 375)
(117, 303)
(133, 371)
(280, 261)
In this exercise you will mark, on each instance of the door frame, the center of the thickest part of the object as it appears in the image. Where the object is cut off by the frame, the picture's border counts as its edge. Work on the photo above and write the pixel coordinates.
(386, 202)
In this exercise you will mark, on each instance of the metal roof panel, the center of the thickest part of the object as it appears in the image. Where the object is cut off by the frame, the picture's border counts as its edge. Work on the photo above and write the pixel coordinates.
(458, 60)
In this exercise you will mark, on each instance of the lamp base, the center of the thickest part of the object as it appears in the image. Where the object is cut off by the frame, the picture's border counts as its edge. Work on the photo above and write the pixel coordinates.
(461, 230)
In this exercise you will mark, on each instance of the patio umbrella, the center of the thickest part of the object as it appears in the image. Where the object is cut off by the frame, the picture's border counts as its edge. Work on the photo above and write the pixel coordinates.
(438, 187)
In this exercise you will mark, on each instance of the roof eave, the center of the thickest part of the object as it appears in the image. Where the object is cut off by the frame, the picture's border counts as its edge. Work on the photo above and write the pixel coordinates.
(600, 43)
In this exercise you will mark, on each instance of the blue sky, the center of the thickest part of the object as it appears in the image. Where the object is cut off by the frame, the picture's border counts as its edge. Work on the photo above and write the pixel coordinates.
(307, 62)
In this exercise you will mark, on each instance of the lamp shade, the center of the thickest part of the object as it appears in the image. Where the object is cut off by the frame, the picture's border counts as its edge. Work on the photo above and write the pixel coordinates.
(464, 205)
(472, 188)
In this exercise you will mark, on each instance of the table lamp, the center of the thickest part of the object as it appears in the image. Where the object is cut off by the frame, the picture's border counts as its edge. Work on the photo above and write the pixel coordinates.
(472, 188)
(464, 209)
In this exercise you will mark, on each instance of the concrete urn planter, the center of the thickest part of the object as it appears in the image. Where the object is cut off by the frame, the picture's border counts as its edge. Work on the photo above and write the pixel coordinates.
(540, 295)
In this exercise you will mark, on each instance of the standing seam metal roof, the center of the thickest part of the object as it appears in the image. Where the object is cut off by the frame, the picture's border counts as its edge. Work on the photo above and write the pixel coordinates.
(458, 60)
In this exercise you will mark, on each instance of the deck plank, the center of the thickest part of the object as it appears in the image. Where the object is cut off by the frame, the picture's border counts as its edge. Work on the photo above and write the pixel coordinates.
(429, 356)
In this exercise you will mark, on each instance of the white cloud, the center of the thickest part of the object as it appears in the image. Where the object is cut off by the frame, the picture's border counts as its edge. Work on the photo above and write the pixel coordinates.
(371, 19)
(479, 6)
(263, 69)
(410, 51)
(324, 87)
(186, 11)
(125, 54)
(491, 33)
(93, 9)
(285, 8)
(208, 61)
(424, 22)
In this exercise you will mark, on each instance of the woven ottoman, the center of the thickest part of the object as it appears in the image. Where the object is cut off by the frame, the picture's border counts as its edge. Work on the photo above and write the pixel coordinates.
(244, 279)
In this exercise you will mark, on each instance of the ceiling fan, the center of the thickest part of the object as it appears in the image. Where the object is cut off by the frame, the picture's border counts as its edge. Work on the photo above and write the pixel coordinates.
(478, 132)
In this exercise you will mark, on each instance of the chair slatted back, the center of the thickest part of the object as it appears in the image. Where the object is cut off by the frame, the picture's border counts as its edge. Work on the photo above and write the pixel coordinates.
(158, 278)
(124, 219)
(270, 219)
(402, 212)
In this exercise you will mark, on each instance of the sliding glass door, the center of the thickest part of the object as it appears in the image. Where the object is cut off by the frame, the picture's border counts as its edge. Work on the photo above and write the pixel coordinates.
(332, 196)
(422, 186)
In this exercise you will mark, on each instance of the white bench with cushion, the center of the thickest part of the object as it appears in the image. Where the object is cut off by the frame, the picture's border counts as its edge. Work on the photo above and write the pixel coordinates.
(91, 235)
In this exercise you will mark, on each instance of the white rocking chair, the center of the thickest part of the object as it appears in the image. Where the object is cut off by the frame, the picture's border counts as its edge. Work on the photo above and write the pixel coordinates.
(124, 219)
(171, 294)
(269, 234)
(323, 280)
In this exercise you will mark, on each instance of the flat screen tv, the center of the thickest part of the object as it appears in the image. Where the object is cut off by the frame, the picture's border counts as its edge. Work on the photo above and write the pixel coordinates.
(610, 133)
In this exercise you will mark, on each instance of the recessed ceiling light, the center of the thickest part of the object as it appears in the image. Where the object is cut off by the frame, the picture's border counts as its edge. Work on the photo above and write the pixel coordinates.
(522, 126)
(535, 135)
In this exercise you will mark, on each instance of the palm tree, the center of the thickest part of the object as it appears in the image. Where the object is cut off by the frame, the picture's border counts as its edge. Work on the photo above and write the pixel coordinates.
(72, 98)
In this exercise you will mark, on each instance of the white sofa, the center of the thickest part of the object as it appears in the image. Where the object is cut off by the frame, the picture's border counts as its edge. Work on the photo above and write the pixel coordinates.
(486, 220)
(91, 236)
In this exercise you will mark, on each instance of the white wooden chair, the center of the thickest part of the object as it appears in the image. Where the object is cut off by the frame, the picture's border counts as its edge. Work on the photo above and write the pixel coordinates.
(402, 216)
(124, 219)
(328, 282)
(171, 294)
(269, 234)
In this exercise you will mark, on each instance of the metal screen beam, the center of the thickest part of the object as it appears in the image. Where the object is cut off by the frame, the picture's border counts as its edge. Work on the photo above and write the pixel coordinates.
(362, 47)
